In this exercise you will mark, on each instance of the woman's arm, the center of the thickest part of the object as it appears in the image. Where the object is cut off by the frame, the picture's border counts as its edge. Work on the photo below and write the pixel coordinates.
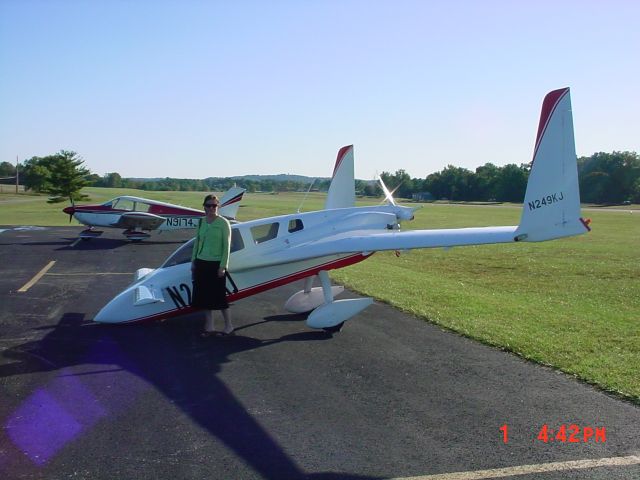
(196, 244)
(226, 244)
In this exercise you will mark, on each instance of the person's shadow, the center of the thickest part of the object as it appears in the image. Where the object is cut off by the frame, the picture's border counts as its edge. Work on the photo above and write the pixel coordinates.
(172, 357)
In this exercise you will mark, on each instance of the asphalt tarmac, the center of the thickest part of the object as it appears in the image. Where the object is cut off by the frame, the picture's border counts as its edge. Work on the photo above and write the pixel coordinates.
(388, 397)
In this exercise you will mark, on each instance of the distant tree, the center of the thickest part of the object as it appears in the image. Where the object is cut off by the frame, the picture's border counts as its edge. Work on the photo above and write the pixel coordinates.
(608, 177)
(484, 182)
(35, 173)
(113, 180)
(322, 185)
(250, 185)
(635, 192)
(68, 177)
(267, 185)
(511, 183)
(94, 180)
(434, 185)
(456, 183)
(387, 179)
(400, 183)
(372, 189)
(7, 171)
(361, 187)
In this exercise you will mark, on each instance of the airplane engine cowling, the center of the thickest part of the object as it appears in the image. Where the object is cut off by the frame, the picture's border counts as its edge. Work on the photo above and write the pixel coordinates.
(302, 301)
(334, 313)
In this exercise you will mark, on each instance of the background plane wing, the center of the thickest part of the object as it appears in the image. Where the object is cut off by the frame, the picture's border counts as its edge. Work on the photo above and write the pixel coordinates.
(139, 220)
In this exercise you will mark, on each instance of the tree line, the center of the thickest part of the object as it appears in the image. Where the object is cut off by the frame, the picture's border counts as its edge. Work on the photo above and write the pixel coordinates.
(61, 175)
(114, 180)
(603, 177)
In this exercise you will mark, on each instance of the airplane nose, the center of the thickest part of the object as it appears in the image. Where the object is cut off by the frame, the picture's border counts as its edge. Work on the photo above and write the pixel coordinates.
(111, 313)
(69, 210)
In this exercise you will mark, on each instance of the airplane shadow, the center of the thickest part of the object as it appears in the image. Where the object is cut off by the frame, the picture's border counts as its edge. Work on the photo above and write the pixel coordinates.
(170, 356)
(50, 243)
(93, 244)
(113, 243)
(288, 317)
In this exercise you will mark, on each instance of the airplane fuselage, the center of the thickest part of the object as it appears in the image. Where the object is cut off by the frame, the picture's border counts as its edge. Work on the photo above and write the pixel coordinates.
(96, 218)
(274, 251)
(258, 260)
(138, 215)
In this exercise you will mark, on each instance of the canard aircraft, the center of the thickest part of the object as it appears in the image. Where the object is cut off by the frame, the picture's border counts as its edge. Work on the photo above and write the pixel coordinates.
(271, 252)
(138, 216)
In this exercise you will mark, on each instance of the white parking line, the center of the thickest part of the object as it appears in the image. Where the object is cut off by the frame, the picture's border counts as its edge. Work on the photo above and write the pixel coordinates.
(87, 274)
(529, 469)
(75, 243)
(37, 277)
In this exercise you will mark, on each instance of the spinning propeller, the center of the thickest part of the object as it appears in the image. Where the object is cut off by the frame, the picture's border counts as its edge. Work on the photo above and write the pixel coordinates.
(70, 210)
(388, 197)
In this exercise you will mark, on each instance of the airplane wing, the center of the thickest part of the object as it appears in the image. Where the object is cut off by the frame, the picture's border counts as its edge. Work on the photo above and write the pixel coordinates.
(551, 207)
(366, 241)
(139, 220)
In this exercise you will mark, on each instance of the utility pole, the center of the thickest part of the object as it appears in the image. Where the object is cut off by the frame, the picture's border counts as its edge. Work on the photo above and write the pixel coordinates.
(17, 175)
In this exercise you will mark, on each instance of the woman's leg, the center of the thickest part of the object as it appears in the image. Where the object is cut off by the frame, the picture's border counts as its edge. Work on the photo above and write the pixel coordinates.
(228, 326)
(209, 325)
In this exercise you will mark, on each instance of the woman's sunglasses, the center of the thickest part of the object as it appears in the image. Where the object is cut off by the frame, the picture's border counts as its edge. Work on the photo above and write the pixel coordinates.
(211, 205)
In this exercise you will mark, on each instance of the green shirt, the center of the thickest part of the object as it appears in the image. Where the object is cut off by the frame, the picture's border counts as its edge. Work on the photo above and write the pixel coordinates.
(212, 241)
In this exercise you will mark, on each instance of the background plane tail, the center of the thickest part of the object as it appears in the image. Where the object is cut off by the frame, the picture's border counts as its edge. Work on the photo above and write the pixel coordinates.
(230, 202)
(342, 191)
(552, 201)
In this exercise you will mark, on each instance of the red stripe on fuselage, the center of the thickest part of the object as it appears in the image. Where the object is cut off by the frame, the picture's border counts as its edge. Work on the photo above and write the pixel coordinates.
(263, 287)
(163, 211)
(101, 210)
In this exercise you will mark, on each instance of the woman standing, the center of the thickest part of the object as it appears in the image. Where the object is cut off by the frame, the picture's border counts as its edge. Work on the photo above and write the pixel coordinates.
(209, 262)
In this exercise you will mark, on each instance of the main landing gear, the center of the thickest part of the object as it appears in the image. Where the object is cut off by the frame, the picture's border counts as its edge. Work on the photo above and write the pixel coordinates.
(326, 313)
(90, 233)
(136, 236)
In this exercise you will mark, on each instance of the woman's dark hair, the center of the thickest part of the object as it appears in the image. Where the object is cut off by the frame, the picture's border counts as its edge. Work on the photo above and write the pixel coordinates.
(211, 196)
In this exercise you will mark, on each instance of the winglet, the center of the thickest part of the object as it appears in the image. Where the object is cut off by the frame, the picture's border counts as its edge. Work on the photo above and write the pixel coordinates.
(230, 202)
(552, 201)
(342, 191)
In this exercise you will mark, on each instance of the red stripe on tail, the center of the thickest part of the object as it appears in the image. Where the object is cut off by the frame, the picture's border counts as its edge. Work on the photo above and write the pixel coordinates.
(549, 105)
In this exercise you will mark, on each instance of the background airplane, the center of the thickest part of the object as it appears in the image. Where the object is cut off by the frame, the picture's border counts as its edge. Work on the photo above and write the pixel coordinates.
(270, 252)
(138, 216)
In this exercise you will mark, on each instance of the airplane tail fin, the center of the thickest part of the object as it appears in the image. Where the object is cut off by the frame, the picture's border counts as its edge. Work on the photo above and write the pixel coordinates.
(230, 202)
(552, 201)
(342, 191)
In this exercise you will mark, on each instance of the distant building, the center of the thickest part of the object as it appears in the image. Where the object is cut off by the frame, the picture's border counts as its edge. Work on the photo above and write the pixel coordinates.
(422, 197)
(11, 188)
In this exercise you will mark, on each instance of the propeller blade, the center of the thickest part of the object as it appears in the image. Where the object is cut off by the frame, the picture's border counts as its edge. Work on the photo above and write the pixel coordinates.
(70, 210)
(393, 192)
(387, 194)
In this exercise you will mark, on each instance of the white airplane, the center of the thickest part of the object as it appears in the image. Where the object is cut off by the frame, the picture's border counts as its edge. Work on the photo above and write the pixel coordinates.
(271, 252)
(142, 215)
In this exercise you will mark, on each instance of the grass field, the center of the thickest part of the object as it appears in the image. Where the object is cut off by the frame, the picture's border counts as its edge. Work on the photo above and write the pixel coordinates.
(573, 304)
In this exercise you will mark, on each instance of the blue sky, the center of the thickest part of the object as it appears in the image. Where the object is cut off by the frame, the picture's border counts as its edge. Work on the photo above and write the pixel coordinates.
(193, 89)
